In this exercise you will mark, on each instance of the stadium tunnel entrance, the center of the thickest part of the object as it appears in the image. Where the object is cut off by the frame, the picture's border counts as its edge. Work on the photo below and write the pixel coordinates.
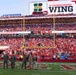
(1, 51)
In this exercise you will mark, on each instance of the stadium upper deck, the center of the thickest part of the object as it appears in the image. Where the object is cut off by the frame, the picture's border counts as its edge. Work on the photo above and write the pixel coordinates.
(43, 13)
(38, 19)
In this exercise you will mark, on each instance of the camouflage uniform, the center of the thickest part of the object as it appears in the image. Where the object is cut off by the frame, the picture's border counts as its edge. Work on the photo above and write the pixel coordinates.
(13, 60)
(24, 61)
(5, 61)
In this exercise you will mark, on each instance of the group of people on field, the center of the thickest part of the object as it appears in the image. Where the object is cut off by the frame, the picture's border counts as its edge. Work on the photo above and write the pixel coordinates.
(30, 60)
(6, 58)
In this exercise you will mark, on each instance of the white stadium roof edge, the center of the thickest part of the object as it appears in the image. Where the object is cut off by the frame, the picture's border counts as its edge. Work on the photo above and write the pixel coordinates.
(37, 17)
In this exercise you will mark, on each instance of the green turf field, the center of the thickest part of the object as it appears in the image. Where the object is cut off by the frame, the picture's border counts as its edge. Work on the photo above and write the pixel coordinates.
(52, 69)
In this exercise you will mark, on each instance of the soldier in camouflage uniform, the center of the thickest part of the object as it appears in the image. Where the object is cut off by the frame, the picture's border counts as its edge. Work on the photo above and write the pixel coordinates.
(5, 60)
(35, 61)
(13, 60)
(30, 59)
(24, 61)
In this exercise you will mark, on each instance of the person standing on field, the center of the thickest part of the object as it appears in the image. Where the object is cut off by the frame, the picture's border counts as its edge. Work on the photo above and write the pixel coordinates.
(13, 60)
(5, 60)
(24, 62)
(35, 61)
(30, 59)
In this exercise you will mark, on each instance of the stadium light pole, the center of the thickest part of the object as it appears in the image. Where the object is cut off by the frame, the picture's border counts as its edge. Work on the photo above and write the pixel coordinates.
(54, 25)
(23, 24)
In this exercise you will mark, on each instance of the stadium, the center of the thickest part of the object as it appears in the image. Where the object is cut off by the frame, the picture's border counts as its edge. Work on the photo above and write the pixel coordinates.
(49, 32)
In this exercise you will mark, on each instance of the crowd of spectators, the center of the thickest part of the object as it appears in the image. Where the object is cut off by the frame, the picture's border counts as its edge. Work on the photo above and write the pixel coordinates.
(11, 28)
(66, 27)
(39, 45)
(37, 29)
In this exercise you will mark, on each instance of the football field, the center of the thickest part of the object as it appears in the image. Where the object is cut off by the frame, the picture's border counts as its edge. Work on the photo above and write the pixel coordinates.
(35, 72)
(43, 69)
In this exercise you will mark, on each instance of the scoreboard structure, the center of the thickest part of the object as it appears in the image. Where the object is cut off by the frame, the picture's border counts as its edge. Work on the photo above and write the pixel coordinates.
(53, 7)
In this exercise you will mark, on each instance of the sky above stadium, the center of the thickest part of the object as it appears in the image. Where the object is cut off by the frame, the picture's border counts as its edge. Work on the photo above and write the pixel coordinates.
(15, 6)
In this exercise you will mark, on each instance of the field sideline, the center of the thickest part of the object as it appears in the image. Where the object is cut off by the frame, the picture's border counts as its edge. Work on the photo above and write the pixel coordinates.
(52, 69)
(35, 72)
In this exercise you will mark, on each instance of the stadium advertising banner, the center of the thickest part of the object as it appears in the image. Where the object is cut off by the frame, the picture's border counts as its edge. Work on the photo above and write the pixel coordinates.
(11, 15)
(37, 7)
(61, 7)
(53, 7)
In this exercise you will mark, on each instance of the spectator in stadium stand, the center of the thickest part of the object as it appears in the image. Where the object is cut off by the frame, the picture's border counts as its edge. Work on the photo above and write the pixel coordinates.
(13, 60)
(24, 62)
(54, 56)
(58, 56)
(5, 60)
